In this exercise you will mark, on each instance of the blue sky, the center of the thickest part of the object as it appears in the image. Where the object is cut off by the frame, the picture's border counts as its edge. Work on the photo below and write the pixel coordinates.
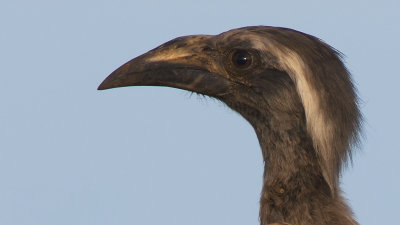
(70, 154)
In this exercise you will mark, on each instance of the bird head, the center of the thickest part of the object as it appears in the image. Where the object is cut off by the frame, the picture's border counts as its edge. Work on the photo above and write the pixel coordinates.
(261, 72)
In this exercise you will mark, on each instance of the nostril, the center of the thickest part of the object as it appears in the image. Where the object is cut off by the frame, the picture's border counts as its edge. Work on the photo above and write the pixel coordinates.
(206, 49)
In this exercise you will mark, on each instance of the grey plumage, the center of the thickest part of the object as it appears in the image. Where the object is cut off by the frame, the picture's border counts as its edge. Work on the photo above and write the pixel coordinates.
(293, 89)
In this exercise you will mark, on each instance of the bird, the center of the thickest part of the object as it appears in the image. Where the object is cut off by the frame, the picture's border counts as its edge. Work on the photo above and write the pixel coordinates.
(295, 91)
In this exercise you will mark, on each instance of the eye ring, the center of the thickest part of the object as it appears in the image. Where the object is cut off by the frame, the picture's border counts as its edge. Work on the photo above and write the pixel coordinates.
(241, 59)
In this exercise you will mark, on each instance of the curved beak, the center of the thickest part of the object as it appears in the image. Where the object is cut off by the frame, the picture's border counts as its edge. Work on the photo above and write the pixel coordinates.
(188, 63)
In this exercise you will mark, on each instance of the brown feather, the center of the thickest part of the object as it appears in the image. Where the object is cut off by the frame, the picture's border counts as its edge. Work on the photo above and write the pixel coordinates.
(292, 88)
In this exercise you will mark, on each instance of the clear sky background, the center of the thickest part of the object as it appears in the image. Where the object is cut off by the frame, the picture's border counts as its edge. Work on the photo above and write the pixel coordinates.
(72, 155)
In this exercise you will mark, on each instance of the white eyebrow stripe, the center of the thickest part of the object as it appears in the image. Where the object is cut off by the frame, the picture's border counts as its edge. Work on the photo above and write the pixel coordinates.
(319, 126)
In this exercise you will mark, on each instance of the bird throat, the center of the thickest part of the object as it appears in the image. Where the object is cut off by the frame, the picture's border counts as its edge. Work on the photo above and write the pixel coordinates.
(294, 190)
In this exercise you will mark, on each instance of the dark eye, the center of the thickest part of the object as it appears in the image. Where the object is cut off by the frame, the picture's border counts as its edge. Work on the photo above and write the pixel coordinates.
(241, 59)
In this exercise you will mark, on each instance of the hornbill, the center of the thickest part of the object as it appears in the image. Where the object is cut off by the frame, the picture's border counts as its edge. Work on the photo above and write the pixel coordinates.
(292, 88)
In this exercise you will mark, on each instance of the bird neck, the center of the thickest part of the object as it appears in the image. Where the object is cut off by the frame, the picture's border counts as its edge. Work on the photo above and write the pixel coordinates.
(294, 190)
